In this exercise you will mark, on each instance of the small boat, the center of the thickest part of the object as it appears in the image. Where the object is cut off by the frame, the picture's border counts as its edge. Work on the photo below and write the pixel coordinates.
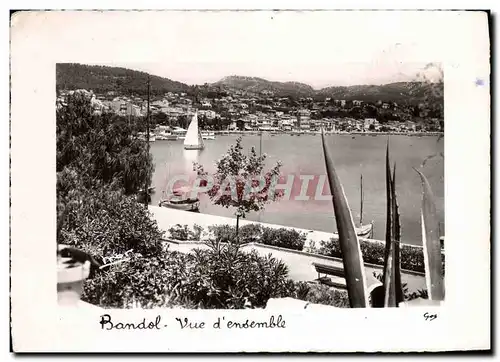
(166, 136)
(142, 136)
(364, 231)
(208, 135)
(193, 140)
(151, 190)
(179, 201)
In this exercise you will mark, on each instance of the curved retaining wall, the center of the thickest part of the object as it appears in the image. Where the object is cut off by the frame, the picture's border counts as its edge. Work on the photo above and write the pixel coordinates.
(300, 263)
(166, 218)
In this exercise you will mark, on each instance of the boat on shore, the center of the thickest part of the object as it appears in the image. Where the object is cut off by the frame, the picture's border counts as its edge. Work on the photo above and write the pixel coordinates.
(180, 201)
(193, 140)
(363, 231)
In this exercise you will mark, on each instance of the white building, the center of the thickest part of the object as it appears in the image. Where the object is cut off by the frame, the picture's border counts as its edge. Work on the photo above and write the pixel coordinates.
(369, 122)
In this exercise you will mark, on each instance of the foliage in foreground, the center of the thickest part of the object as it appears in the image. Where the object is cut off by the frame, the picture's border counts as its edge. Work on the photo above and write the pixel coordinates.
(214, 278)
(105, 222)
(203, 279)
(321, 294)
(98, 165)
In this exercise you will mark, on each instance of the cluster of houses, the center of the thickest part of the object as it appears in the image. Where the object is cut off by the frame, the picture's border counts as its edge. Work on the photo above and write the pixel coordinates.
(252, 113)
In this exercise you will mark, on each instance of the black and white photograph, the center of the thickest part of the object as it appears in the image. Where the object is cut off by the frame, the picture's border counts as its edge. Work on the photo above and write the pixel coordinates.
(219, 194)
(294, 166)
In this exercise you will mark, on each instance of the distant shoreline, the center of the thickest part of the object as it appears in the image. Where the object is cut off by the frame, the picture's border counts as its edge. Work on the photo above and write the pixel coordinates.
(414, 134)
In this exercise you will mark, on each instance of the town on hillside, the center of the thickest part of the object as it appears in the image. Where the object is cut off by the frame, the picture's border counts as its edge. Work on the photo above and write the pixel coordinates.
(224, 108)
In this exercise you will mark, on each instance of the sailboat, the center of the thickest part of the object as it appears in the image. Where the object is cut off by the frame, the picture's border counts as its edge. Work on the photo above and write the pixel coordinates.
(364, 231)
(193, 140)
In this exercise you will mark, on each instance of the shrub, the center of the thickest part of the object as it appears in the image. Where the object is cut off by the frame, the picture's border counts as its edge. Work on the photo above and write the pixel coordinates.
(412, 258)
(311, 247)
(239, 279)
(196, 233)
(182, 232)
(250, 233)
(179, 232)
(321, 294)
(223, 233)
(147, 281)
(226, 278)
(227, 234)
(105, 222)
(284, 238)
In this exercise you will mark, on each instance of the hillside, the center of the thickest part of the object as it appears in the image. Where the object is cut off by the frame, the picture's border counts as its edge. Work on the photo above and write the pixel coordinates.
(257, 85)
(102, 79)
(404, 92)
(411, 92)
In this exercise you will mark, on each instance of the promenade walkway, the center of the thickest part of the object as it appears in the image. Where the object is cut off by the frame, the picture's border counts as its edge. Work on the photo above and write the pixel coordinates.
(299, 263)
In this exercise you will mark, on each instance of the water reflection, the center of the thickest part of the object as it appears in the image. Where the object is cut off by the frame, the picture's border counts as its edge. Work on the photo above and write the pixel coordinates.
(190, 157)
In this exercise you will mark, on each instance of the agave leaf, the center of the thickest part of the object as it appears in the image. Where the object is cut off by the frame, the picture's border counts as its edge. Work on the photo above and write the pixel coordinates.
(396, 232)
(388, 228)
(389, 275)
(431, 242)
(349, 244)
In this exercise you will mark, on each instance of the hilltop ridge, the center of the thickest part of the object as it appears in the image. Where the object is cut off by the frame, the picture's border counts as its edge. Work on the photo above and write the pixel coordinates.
(103, 79)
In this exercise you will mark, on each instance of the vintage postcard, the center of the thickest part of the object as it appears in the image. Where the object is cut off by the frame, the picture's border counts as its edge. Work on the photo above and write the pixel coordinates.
(257, 181)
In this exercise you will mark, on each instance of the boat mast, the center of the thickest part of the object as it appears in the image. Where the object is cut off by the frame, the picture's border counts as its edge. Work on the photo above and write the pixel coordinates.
(146, 186)
(361, 212)
(260, 144)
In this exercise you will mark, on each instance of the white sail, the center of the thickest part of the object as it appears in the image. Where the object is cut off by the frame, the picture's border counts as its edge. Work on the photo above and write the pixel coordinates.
(193, 140)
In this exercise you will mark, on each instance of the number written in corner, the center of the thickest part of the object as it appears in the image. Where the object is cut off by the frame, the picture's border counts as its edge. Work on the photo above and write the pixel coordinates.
(430, 317)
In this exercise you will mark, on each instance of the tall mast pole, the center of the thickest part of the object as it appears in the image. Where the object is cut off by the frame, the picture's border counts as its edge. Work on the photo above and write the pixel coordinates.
(361, 212)
(146, 188)
(129, 112)
(260, 144)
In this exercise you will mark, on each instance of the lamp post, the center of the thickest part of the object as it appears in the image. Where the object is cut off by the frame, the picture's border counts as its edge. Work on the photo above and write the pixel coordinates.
(238, 215)
(146, 188)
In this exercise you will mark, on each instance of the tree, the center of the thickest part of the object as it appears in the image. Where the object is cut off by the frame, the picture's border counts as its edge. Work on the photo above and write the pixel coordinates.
(99, 165)
(240, 181)
(101, 148)
(182, 121)
(240, 125)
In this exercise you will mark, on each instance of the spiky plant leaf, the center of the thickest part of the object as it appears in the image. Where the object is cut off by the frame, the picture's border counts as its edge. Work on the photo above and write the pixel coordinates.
(396, 218)
(431, 243)
(389, 275)
(349, 244)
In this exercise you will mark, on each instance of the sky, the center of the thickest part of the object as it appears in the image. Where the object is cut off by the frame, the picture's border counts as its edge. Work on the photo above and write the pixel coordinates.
(320, 48)
(317, 76)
